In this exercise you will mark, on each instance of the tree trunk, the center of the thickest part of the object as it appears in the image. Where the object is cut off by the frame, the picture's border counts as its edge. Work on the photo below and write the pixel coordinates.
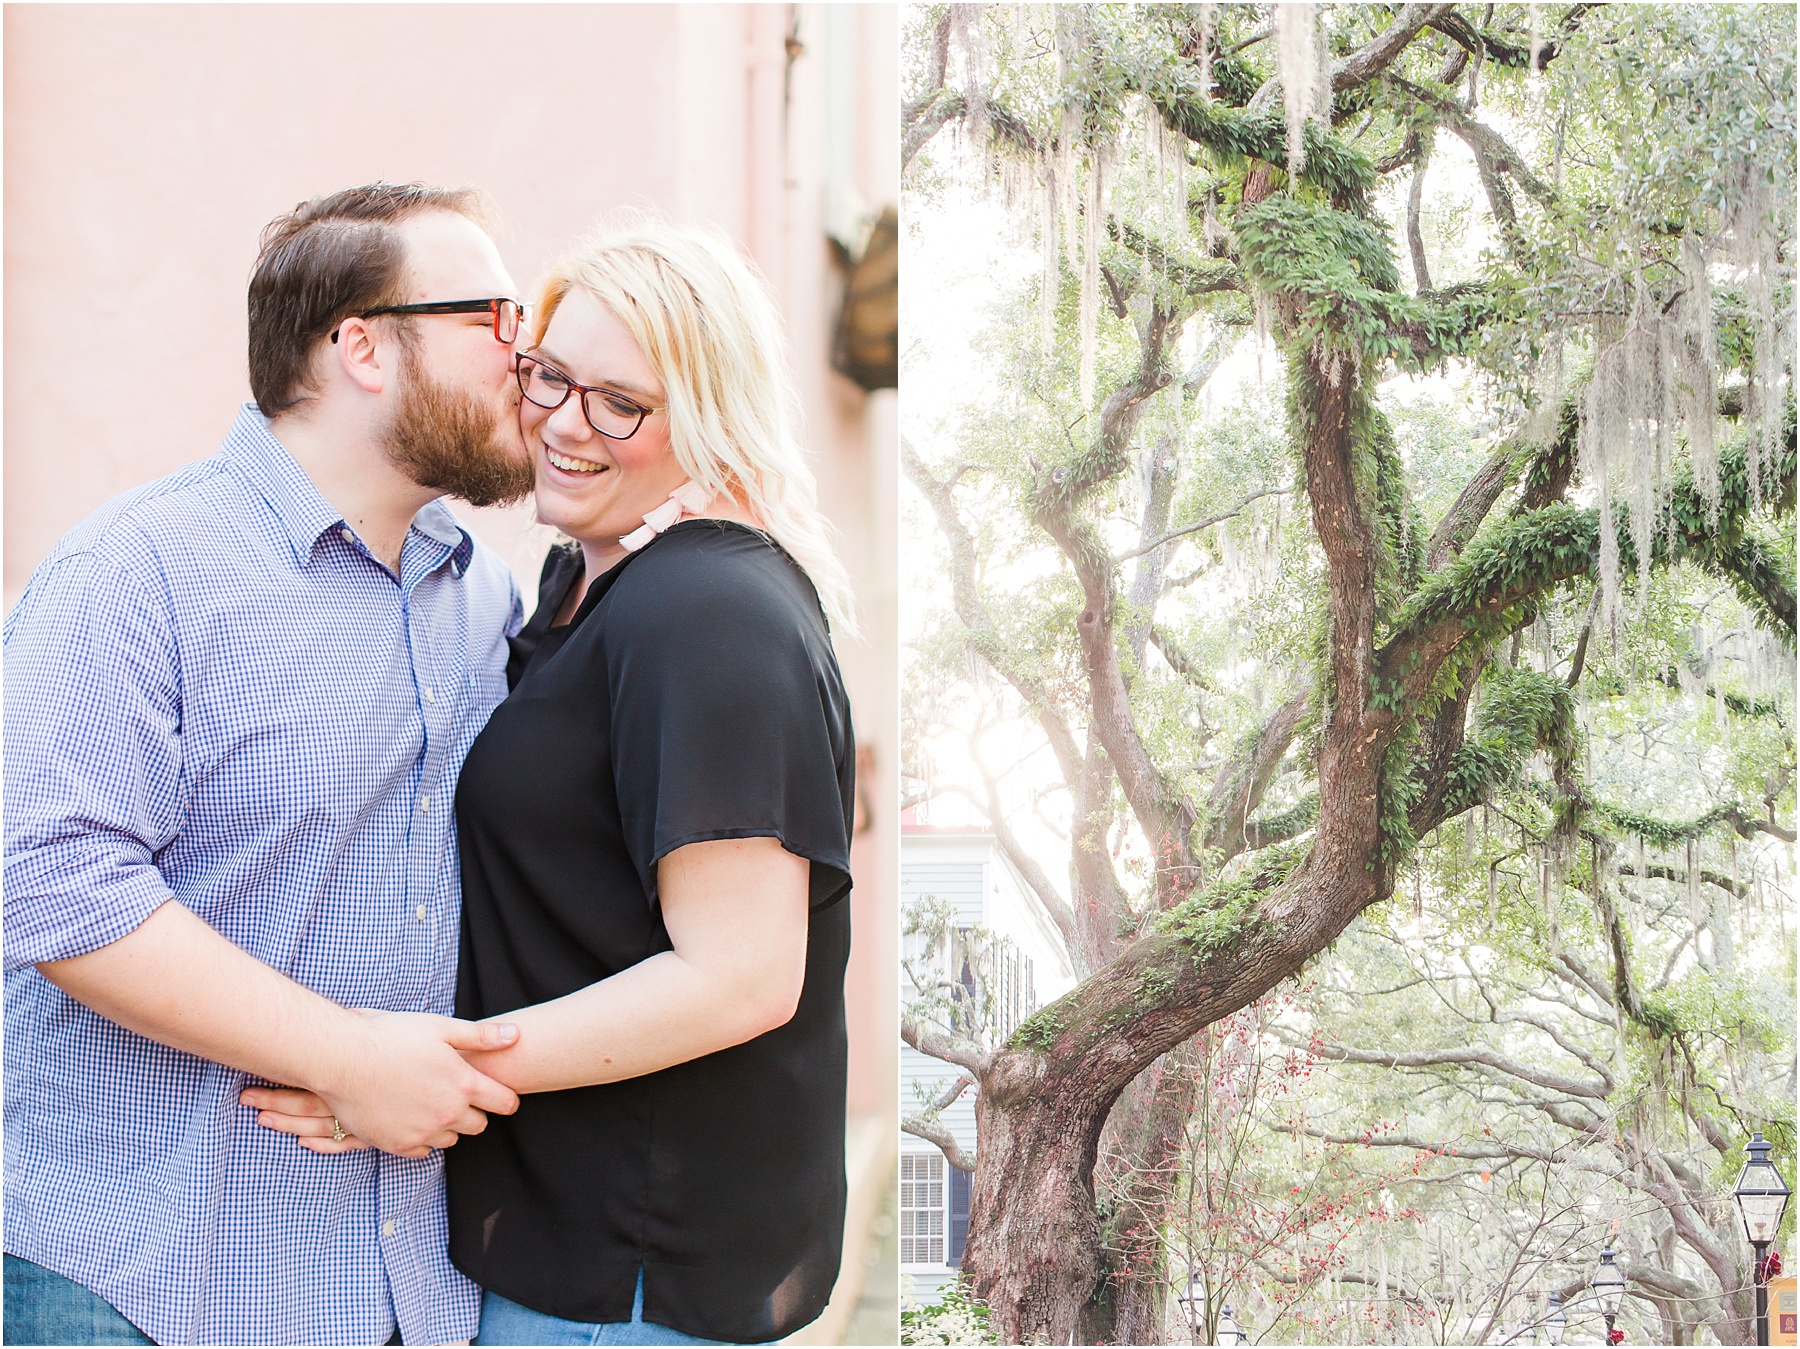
(1034, 1237)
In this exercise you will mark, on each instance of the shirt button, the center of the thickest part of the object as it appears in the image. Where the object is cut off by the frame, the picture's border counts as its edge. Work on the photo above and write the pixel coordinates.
(424, 803)
(421, 912)
(349, 536)
(430, 697)
(387, 1228)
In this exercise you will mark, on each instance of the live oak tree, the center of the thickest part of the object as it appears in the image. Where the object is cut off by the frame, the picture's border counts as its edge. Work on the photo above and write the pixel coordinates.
(1198, 177)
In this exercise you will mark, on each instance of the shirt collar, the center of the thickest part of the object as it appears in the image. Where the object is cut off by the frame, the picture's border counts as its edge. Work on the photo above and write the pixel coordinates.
(264, 462)
(436, 522)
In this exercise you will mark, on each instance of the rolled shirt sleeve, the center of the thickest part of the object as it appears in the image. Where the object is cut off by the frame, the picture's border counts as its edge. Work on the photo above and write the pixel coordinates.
(93, 765)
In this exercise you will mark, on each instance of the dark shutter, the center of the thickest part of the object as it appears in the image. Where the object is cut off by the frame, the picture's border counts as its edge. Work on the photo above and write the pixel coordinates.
(959, 1216)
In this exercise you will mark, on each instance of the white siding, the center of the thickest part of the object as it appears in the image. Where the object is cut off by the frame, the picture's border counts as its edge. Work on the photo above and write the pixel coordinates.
(969, 872)
(956, 882)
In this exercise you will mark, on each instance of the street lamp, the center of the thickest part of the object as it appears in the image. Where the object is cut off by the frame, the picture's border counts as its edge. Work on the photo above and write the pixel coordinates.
(1195, 1302)
(1528, 1329)
(1762, 1197)
(1230, 1332)
(1609, 1286)
(1556, 1322)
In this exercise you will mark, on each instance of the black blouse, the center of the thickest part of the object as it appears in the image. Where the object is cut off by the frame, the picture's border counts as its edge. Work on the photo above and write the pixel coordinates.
(693, 696)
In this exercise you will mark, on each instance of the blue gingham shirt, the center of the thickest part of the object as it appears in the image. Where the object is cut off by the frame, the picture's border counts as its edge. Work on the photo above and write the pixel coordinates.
(215, 692)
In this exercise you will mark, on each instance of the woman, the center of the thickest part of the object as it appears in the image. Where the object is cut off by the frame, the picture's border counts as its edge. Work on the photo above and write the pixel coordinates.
(655, 836)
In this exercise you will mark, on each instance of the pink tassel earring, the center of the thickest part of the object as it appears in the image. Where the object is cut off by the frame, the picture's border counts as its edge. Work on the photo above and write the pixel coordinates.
(684, 503)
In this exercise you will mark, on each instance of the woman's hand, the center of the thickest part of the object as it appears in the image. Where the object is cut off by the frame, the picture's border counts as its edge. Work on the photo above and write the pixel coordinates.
(393, 1087)
(291, 1110)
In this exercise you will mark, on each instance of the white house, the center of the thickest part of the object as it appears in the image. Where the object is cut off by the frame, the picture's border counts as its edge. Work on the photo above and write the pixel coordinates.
(965, 869)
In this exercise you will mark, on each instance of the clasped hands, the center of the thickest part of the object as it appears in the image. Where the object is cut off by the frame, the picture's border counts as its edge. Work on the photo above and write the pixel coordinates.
(400, 1083)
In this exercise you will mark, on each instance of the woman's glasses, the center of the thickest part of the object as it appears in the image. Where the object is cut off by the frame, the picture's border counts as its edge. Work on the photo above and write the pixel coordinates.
(613, 415)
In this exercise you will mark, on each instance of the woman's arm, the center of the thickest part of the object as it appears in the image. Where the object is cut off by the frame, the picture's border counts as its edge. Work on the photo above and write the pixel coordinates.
(736, 910)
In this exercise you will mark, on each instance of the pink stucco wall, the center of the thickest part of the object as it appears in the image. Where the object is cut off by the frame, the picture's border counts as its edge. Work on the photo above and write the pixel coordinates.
(147, 145)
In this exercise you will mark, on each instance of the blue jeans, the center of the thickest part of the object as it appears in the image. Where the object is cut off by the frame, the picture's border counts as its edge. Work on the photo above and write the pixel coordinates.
(42, 1307)
(506, 1322)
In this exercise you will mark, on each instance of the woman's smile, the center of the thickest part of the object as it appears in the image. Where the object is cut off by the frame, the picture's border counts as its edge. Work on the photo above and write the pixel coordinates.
(568, 463)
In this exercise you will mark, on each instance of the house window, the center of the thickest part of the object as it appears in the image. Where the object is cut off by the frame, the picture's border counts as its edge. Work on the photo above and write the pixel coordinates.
(921, 1208)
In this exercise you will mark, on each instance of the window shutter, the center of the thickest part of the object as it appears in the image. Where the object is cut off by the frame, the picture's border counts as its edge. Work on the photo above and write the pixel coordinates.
(959, 1215)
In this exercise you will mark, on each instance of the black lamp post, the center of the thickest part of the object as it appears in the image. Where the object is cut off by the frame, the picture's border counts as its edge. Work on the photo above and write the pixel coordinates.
(1195, 1302)
(1762, 1197)
(1230, 1332)
(1556, 1322)
(1609, 1286)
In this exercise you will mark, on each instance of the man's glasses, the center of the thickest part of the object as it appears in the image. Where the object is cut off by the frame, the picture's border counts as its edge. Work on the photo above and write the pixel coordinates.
(613, 415)
(507, 313)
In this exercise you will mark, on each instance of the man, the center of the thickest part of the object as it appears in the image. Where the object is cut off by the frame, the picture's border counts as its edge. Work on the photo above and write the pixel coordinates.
(237, 700)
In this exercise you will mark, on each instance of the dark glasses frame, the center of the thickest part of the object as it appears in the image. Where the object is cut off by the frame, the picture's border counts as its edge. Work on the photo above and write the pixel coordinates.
(522, 364)
(498, 306)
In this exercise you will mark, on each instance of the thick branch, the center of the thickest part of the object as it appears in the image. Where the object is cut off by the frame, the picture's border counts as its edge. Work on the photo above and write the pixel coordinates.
(1342, 173)
(1354, 738)
(1415, 236)
(926, 115)
(1380, 52)
(1098, 897)
(1238, 789)
(1033, 872)
(1059, 497)
(926, 118)
(1200, 277)
(933, 1132)
(1178, 659)
(1659, 1280)
(1472, 505)
(1368, 60)
(951, 1049)
(1407, 154)
(1474, 597)
(1497, 49)
(1482, 140)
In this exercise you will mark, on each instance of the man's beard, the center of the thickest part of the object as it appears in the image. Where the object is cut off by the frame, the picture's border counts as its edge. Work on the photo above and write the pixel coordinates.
(446, 439)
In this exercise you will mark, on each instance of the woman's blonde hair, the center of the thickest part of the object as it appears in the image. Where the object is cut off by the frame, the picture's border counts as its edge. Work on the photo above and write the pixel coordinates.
(710, 331)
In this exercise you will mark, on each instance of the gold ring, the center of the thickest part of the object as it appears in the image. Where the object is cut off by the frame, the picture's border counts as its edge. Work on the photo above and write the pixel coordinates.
(337, 1130)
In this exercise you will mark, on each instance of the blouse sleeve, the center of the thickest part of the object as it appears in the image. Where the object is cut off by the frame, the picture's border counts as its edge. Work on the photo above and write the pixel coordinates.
(728, 713)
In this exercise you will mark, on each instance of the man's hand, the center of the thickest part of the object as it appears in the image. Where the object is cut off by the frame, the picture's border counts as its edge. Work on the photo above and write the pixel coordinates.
(394, 1078)
(401, 1084)
(403, 1115)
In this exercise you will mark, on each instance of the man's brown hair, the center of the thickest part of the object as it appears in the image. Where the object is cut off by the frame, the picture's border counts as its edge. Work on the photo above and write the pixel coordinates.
(324, 261)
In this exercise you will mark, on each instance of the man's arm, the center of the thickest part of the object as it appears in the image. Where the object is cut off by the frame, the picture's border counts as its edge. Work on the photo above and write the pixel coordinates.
(395, 1079)
(736, 910)
(95, 789)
